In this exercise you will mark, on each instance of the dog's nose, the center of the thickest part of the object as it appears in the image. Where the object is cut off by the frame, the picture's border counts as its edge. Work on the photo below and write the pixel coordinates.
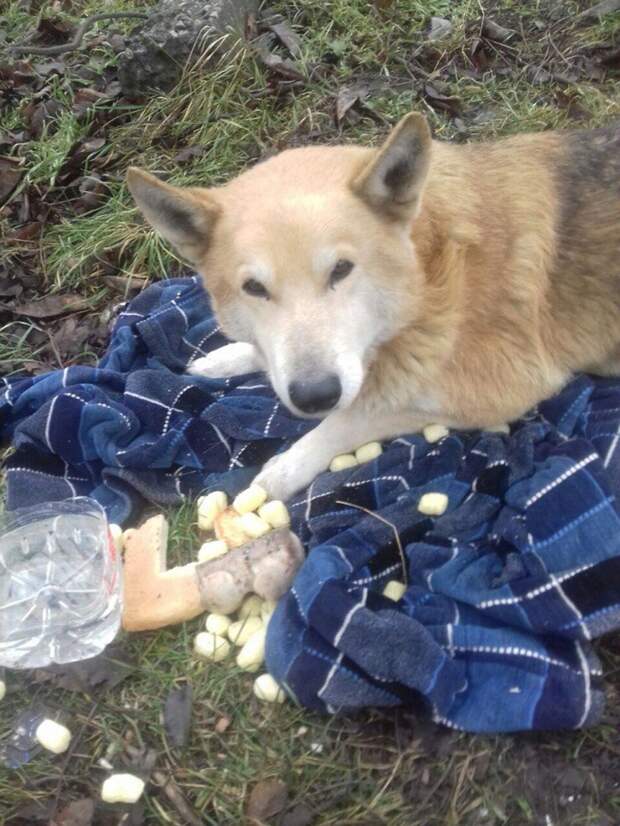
(315, 396)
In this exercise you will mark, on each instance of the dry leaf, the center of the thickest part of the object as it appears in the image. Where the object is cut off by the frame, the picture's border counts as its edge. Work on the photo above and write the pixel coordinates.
(287, 37)
(300, 815)
(347, 98)
(178, 715)
(10, 176)
(268, 798)
(78, 813)
(52, 305)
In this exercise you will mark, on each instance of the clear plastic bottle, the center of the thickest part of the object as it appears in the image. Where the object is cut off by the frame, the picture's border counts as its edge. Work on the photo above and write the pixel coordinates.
(60, 584)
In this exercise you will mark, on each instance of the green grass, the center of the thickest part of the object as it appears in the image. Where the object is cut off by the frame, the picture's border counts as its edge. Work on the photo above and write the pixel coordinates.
(376, 768)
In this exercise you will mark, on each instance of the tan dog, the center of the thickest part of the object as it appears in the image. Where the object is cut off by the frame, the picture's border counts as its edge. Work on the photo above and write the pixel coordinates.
(421, 282)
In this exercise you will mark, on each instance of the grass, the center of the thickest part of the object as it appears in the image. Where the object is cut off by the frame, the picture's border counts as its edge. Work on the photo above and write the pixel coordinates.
(378, 768)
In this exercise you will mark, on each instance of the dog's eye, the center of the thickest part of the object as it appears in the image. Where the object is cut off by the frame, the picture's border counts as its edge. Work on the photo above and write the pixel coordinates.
(255, 288)
(341, 269)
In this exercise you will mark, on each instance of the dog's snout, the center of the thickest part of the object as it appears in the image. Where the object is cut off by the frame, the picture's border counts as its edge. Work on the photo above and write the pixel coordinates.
(316, 396)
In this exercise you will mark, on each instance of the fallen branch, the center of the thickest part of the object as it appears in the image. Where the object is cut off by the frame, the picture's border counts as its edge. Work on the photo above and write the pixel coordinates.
(76, 42)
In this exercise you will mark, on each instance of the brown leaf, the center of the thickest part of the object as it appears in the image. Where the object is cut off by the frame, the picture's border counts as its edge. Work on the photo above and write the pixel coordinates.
(441, 101)
(10, 176)
(494, 31)
(281, 66)
(54, 31)
(51, 305)
(78, 813)
(178, 715)
(188, 153)
(123, 284)
(347, 98)
(287, 37)
(268, 798)
(84, 99)
(50, 67)
(301, 815)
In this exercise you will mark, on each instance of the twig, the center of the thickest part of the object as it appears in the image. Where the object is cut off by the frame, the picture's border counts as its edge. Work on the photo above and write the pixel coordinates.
(175, 796)
(85, 25)
(403, 561)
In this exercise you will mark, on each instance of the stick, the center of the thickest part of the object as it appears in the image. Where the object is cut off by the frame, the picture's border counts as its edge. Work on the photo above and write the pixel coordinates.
(403, 561)
(175, 796)
(85, 25)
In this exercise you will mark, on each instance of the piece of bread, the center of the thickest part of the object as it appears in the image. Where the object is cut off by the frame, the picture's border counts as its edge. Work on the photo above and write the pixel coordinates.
(152, 596)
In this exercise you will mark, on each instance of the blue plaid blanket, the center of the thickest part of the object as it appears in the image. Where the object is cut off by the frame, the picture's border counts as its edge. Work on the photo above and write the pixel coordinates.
(505, 591)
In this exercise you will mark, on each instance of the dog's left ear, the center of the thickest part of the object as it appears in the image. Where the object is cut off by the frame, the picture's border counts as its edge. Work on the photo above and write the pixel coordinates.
(393, 181)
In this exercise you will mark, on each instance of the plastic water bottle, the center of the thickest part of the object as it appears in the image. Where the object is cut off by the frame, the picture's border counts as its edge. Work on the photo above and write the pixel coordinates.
(60, 584)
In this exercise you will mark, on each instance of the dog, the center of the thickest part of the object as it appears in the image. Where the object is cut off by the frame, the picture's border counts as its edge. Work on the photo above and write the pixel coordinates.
(423, 281)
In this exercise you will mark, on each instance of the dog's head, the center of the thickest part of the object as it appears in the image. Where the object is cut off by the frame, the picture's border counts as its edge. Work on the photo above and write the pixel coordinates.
(308, 256)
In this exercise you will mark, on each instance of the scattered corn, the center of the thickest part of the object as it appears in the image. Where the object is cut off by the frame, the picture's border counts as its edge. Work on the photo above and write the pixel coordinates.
(53, 736)
(394, 590)
(275, 514)
(240, 632)
(211, 646)
(251, 606)
(433, 504)
(342, 462)
(366, 453)
(122, 788)
(211, 506)
(266, 688)
(253, 525)
(435, 432)
(218, 624)
(212, 550)
(250, 499)
(252, 654)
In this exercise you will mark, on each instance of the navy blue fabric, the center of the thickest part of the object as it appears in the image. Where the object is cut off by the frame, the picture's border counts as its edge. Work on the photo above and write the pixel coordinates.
(505, 591)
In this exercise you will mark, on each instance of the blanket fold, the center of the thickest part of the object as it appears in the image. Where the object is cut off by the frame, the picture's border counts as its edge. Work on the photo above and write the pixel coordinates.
(505, 591)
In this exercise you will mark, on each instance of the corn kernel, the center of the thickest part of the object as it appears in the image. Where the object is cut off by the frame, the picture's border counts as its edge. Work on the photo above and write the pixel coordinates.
(253, 525)
(275, 513)
(252, 653)
(210, 506)
(433, 504)
(342, 462)
(211, 646)
(435, 432)
(366, 453)
(53, 736)
(251, 607)
(212, 550)
(122, 788)
(249, 500)
(394, 590)
(240, 632)
(267, 689)
(218, 624)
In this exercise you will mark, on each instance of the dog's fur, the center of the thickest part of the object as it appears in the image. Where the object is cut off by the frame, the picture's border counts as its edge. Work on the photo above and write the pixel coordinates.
(485, 275)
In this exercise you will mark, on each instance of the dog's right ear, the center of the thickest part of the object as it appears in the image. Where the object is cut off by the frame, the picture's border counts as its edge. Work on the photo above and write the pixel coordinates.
(185, 217)
(392, 183)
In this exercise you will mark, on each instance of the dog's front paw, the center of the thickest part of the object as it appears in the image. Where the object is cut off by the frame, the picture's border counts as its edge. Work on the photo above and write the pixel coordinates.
(284, 476)
(228, 361)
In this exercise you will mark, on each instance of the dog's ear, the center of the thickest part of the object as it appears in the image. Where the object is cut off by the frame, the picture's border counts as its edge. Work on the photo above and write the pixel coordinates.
(393, 181)
(185, 217)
